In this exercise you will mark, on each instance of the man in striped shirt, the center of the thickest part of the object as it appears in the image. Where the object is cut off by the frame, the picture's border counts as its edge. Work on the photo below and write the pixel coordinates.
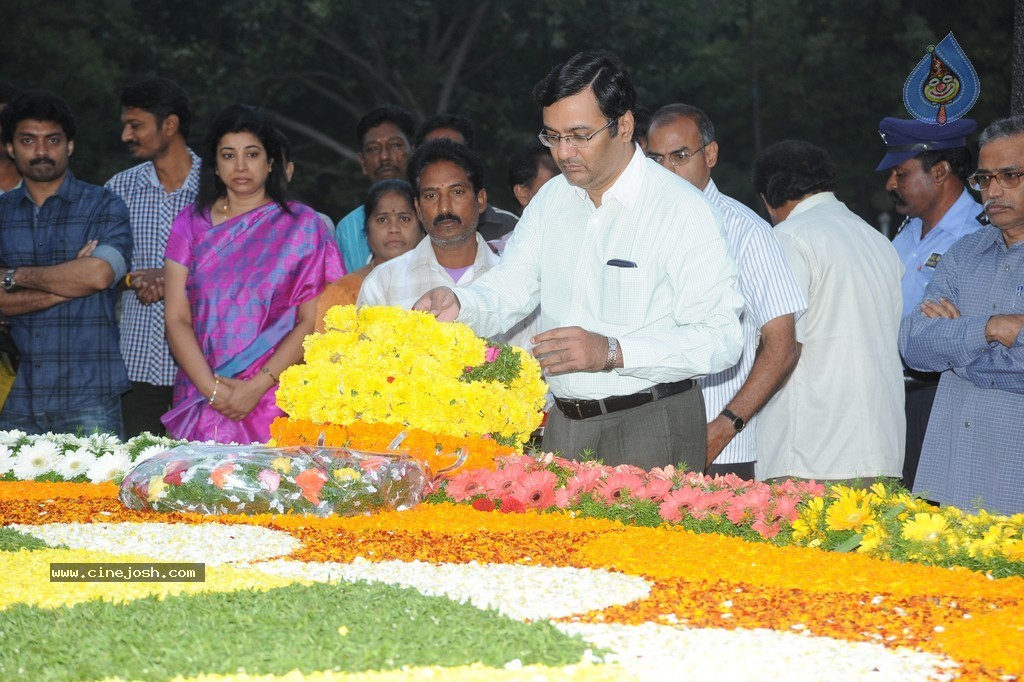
(682, 139)
(156, 117)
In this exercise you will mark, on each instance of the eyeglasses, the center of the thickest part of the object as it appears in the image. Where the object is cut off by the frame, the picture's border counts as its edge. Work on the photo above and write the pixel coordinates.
(1006, 179)
(576, 141)
(678, 157)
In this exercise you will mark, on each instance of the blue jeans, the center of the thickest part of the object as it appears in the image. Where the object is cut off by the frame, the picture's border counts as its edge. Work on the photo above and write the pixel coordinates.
(104, 416)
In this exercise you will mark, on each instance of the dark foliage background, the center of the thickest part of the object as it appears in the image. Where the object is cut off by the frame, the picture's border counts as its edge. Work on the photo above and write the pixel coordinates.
(826, 71)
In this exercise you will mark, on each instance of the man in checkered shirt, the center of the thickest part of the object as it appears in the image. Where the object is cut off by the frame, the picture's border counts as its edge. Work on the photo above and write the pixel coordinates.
(156, 117)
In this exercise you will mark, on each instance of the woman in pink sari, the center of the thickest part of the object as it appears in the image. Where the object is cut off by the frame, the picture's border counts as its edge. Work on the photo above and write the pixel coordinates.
(243, 270)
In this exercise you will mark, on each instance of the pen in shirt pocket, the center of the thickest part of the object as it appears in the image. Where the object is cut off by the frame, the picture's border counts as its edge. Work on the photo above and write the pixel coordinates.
(619, 263)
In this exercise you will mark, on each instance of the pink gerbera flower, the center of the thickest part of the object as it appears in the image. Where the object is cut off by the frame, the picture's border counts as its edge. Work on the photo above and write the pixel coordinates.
(563, 499)
(656, 489)
(617, 485)
(584, 481)
(757, 498)
(676, 502)
(467, 485)
(785, 508)
(536, 490)
(499, 483)
(666, 474)
(630, 469)
(766, 530)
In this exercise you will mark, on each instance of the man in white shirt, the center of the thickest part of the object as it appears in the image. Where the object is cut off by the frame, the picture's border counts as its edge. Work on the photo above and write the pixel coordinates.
(682, 139)
(840, 415)
(637, 291)
(448, 180)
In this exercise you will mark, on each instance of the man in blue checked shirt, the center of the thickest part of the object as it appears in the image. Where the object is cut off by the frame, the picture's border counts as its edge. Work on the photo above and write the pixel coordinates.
(969, 329)
(66, 244)
(156, 116)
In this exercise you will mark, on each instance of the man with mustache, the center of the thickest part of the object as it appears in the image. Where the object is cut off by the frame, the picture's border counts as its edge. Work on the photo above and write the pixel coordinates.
(638, 294)
(156, 116)
(66, 244)
(969, 328)
(927, 167)
(450, 198)
(495, 223)
(385, 138)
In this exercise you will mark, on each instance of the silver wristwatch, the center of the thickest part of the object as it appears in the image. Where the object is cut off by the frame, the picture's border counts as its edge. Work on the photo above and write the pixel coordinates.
(613, 355)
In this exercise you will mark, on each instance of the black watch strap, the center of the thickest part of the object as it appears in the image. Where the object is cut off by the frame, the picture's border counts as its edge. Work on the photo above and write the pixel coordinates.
(738, 422)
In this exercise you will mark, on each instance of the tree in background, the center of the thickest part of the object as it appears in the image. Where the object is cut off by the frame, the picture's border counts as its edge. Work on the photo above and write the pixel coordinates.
(826, 71)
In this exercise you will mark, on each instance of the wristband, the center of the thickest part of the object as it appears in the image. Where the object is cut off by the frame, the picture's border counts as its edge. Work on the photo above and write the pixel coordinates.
(213, 395)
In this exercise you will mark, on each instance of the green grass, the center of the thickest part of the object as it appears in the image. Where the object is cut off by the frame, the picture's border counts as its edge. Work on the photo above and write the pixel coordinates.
(12, 540)
(273, 632)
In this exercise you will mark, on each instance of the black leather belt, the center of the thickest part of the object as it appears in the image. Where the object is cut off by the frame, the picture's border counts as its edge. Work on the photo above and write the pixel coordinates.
(585, 409)
(914, 380)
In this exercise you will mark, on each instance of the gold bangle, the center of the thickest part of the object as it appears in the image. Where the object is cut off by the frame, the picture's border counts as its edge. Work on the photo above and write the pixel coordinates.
(216, 385)
(266, 371)
(128, 280)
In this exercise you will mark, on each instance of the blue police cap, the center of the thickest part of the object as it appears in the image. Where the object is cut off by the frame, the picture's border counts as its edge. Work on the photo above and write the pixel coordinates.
(905, 139)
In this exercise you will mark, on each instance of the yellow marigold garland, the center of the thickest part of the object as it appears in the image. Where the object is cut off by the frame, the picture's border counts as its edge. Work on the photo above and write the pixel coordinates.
(400, 367)
(437, 450)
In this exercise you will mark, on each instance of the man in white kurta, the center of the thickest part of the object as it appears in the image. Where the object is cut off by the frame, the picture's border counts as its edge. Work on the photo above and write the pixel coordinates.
(840, 416)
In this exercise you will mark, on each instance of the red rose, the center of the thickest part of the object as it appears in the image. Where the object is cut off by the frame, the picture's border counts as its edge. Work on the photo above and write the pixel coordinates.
(483, 504)
(511, 504)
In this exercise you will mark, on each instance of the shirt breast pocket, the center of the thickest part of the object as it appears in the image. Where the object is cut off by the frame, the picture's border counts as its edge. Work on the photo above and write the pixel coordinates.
(626, 294)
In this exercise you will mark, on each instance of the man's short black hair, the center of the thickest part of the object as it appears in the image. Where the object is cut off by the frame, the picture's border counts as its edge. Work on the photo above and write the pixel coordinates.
(960, 159)
(598, 69)
(446, 150)
(457, 122)
(389, 113)
(37, 105)
(160, 97)
(792, 169)
(525, 161)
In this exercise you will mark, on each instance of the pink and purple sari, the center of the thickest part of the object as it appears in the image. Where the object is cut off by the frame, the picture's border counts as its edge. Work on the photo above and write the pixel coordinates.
(246, 279)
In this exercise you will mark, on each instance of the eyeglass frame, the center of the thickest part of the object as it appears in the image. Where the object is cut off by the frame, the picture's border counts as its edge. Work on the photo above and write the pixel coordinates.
(976, 183)
(582, 141)
(683, 161)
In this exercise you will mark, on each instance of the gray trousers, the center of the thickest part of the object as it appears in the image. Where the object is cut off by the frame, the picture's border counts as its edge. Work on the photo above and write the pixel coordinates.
(672, 430)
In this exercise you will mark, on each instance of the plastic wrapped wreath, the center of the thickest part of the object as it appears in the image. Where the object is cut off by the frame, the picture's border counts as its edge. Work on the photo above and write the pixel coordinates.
(404, 369)
(249, 479)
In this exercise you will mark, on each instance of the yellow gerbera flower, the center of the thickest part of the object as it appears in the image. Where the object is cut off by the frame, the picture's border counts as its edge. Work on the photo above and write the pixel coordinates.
(851, 511)
(925, 527)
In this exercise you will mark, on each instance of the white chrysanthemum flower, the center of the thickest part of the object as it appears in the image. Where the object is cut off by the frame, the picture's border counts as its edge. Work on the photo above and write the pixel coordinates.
(150, 452)
(101, 443)
(11, 437)
(35, 459)
(109, 466)
(75, 462)
(6, 460)
(76, 442)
